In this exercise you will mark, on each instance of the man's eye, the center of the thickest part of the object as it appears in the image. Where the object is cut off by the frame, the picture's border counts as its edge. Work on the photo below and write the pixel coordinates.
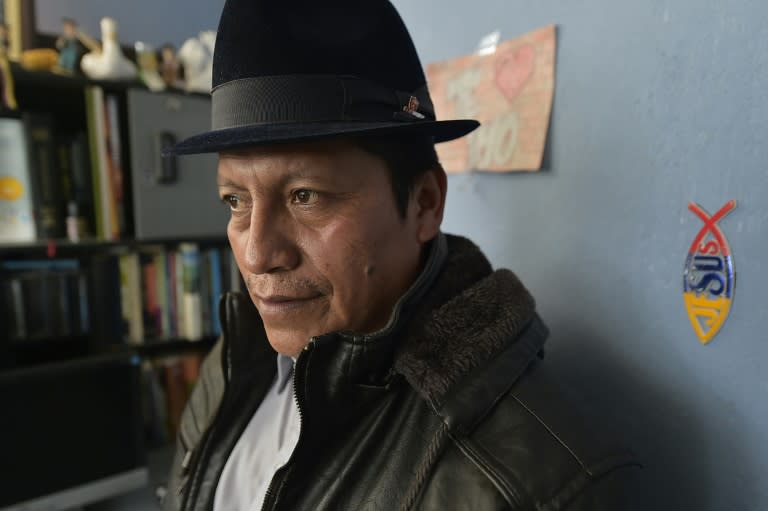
(232, 201)
(304, 197)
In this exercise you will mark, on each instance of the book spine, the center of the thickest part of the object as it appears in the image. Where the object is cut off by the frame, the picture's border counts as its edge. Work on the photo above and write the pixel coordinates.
(205, 292)
(102, 190)
(82, 189)
(150, 304)
(179, 281)
(17, 222)
(193, 313)
(106, 306)
(161, 277)
(114, 163)
(216, 290)
(46, 182)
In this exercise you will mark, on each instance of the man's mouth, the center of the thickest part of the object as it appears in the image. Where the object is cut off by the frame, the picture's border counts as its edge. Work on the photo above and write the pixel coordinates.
(281, 304)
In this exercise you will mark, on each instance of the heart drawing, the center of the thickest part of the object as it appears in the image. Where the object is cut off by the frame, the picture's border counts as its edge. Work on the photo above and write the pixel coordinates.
(514, 69)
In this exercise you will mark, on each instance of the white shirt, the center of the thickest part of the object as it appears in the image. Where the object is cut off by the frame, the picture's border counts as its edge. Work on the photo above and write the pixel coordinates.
(266, 445)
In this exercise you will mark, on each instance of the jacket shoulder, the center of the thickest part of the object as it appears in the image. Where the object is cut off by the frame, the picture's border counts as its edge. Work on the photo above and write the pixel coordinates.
(541, 453)
(205, 397)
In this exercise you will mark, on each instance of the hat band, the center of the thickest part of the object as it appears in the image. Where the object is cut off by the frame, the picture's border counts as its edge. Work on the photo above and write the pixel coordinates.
(313, 98)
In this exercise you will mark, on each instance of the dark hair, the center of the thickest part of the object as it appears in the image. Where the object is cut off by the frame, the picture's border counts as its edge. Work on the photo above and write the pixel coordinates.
(407, 157)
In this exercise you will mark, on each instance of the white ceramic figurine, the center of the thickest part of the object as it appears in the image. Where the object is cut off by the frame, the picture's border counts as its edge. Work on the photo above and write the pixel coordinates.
(196, 56)
(106, 61)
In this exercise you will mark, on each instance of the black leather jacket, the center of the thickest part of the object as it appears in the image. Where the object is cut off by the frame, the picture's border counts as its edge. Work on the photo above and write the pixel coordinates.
(449, 407)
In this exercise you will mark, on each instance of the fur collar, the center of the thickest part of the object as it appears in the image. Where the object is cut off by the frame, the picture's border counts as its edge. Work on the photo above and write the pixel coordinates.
(467, 315)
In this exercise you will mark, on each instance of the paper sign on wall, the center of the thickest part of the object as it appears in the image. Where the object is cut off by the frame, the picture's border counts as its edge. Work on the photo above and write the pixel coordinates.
(509, 92)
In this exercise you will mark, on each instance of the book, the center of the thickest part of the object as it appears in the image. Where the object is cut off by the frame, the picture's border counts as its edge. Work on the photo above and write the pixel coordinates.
(151, 312)
(44, 176)
(82, 189)
(163, 305)
(130, 294)
(107, 325)
(192, 300)
(103, 200)
(17, 221)
(205, 293)
(115, 173)
(43, 299)
(216, 289)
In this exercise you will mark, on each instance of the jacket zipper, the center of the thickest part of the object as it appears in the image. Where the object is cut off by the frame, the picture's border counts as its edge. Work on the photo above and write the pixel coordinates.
(270, 496)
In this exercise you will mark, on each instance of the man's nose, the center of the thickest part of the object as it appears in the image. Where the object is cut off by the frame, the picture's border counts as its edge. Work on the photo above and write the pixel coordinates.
(271, 246)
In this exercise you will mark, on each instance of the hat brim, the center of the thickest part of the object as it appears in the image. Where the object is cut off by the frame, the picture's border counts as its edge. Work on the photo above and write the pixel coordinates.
(274, 133)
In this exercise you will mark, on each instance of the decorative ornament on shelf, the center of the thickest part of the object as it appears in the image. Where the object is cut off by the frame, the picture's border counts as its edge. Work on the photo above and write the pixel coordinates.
(69, 47)
(196, 56)
(170, 66)
(106, 61)
(147, 61)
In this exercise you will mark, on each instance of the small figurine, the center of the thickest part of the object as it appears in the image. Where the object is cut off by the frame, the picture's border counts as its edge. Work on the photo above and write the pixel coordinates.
(196, 56)
(106, 61)
(146, 58)
(68, 46)
(169, 65)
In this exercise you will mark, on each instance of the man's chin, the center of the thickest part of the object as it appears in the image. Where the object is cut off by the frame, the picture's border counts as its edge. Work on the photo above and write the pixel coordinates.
(288, 343)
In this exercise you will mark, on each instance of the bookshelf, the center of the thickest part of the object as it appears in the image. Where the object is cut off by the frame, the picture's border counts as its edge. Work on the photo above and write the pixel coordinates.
(110, 284)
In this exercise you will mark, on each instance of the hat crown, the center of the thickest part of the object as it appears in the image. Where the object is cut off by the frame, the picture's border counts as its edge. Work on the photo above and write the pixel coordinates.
(300, 70)
(365, 39)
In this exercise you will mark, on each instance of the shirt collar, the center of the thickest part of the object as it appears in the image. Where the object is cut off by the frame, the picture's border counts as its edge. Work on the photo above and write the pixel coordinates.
(285, 367)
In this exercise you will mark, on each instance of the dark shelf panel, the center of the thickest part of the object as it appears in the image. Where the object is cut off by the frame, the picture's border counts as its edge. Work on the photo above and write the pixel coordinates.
(40, 249)
(56, 81)
(75, 83)
(172, 347)
(27, 355)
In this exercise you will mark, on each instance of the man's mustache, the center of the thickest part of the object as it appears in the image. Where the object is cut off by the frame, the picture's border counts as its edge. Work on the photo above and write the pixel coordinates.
(284, 285)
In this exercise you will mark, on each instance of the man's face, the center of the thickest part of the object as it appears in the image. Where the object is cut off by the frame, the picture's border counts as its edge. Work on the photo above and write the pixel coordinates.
(319, 240)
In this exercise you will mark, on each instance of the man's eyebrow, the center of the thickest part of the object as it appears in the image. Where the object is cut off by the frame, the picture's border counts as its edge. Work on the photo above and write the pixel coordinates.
(225, 182)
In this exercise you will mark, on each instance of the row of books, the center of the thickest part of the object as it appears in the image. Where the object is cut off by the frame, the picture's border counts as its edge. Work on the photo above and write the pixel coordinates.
(125, 296)
(174, 293)
(57, 183)
(44, 299)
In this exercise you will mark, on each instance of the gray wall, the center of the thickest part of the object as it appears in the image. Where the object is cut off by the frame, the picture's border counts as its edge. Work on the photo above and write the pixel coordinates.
(658, 103)
(151, 21)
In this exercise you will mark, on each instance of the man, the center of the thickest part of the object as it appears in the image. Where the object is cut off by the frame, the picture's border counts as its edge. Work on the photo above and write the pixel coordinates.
(408, 372)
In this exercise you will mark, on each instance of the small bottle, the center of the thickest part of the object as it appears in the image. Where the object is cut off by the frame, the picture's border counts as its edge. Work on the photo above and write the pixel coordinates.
(73, 222)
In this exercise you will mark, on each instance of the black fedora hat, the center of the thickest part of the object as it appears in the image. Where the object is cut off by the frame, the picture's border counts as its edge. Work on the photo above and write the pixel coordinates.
(296, 70)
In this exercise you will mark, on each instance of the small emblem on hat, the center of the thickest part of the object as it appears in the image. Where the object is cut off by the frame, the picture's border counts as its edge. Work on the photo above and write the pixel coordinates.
(412, 107)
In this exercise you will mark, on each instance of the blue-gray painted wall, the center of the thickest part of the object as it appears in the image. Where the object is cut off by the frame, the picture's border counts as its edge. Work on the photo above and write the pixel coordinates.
(155, 22)
(657, 103)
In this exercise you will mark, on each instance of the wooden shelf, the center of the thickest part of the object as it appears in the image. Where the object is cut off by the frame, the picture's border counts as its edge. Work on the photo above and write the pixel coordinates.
(63, 247)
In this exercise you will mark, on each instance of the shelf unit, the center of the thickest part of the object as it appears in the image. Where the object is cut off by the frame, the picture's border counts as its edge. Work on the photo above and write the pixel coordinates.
(29, 363)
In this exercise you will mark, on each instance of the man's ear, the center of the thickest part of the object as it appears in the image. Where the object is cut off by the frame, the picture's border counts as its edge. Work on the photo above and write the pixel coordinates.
(428, 202)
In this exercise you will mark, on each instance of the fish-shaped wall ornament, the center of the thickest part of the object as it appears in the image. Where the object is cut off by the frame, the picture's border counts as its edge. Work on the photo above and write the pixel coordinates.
(708, 275)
